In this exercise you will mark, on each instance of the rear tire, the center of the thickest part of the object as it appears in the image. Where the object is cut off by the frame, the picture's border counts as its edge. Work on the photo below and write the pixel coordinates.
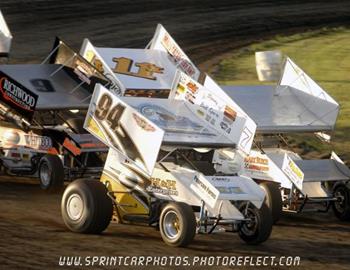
(177, 224)
(51, 173)
(273, 199)
(258, 230)
(341, 208)
(86, 207)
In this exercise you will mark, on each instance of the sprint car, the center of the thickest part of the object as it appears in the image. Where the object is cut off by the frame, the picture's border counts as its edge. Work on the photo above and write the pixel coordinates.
(41, 114)
(159, 172)
(296, 105)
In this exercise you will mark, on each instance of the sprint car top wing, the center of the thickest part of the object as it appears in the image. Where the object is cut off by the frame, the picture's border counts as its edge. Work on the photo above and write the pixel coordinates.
(64, 55)
(123, 129)
(163, 41)
(199, 88)
(151, 72)
(215, 110)
(297, 104)
(136, 127)
(5, 37)
(182, 126)
(56, 87)
(323, 170)
(16, 96)
(137, 69)
(67, 83)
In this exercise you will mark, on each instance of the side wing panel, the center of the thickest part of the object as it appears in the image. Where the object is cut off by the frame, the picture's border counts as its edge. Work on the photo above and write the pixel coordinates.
(124, 129)
(182, 125)
(89, 52)
(17, 96)
(163, 41)
(315, 100)
(218, 110)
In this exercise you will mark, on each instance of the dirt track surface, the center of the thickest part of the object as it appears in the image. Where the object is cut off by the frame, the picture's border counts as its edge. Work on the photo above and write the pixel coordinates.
(32, 234)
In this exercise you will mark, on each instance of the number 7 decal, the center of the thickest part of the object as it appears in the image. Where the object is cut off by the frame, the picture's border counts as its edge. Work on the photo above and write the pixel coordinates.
(246, 137)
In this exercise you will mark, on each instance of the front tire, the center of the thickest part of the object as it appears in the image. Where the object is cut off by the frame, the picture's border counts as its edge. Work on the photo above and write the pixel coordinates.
(341, 208)
(257, 230)
(273, 199)
(51, 173)
(86, 207)
(177, 224)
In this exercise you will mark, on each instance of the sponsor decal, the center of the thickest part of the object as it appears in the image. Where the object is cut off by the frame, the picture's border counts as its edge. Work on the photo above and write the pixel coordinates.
(295, 169)
(215, 110)
(254, 167)
(16, 138)
(230, 190)
(190, 98)
(205, 188)
(41, 142)
(163, 186)
(293, 172)
(17, 96)
(192, 87)
(169, 121)
(142, 123)
(221, 179)
(256, 164)
(181, 89)
(178, 56)
(263, 161)
(230, 113)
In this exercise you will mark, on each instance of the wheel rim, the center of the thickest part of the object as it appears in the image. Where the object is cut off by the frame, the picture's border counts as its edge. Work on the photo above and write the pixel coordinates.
(341, 202)
(250, 227)
(171, 225)
(45, 174)
(75, 207)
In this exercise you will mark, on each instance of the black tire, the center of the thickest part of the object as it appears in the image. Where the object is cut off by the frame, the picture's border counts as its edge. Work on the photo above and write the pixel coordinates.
(273, 199)
(341, 208)
(51, 173)
(86, 207)
(185, 220)
(258, 231)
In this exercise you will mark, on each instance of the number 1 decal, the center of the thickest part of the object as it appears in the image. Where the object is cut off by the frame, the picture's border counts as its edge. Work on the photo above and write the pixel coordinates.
(145, 70)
